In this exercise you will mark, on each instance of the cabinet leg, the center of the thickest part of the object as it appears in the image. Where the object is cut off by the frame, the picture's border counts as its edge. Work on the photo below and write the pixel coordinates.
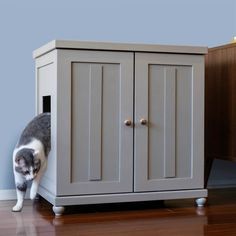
(201, 202)
(58, 210)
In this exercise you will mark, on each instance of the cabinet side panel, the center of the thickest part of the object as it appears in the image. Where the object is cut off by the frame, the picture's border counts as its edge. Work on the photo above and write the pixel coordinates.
(46, 102)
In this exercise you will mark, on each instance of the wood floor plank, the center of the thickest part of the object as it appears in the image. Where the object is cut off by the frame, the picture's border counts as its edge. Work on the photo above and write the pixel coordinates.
(175, 217)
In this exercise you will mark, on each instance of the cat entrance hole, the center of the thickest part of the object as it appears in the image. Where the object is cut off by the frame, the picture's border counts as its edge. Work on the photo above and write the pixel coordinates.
(46, 104)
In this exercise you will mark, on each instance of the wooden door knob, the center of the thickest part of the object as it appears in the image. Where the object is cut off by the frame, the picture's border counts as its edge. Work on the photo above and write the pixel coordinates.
(128, 122)
(143, 121)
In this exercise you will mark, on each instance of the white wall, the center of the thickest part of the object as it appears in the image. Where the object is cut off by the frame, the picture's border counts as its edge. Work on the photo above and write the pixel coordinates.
(26, 25)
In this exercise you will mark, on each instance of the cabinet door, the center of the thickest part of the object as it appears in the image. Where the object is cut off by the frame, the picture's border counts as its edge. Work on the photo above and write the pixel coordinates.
(169, 94)
(97, 93)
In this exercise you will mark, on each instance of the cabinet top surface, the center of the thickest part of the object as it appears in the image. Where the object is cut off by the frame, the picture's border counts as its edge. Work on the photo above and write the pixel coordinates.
(224, 46)
(130, 47)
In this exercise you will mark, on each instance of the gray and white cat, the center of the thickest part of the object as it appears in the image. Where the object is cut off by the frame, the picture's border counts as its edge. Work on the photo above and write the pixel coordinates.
(30, 157)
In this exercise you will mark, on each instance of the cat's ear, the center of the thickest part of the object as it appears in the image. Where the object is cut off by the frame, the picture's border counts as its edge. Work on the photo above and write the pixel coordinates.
(37, 162)
(36, 153)
(17, 159)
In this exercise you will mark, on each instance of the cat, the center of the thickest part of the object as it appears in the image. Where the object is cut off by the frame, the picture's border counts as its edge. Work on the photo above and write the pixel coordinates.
(30, 157)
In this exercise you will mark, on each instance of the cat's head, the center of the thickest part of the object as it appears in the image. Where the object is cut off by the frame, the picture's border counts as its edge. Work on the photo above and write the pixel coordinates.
(27, 163)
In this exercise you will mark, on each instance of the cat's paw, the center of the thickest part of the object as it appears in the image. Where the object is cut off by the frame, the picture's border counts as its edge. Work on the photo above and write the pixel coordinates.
(33, 194)
(17, 208)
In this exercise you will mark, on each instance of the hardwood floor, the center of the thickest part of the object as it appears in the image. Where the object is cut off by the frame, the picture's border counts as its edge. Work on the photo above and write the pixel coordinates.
(179, 217)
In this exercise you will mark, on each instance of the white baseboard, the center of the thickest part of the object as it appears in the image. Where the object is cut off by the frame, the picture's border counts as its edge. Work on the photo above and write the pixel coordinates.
(10, 194)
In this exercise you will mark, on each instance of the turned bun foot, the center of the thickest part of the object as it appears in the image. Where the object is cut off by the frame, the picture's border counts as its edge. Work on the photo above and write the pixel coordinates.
(201, 202)
(58, 210)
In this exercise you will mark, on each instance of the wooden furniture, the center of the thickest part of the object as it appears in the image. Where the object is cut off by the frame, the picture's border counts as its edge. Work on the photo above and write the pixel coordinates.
(127, 122)
(220, 105)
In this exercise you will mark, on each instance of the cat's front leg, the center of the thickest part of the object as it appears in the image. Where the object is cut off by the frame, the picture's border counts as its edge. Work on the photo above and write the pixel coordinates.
(21, 187)
(35, 183)
(34, 189)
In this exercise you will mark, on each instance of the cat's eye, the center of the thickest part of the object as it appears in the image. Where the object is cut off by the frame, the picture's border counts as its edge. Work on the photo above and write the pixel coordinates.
(26, 172)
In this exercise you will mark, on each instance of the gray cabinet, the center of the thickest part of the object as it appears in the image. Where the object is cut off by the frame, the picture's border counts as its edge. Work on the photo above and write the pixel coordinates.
(127, 122)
